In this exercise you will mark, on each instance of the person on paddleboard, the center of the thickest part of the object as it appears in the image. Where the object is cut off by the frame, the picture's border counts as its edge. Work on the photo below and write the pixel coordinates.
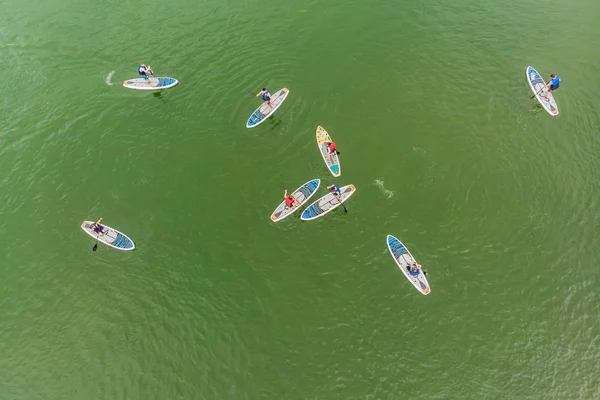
(97, 228)
(553, 83)
(334, 189)
(144, 70)
(414, 269)
(290, 201)
(331, 147)
(266, 96)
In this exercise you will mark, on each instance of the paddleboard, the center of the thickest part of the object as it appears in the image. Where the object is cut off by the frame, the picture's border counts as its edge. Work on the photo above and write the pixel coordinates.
(302, 195)
(159, 83)
(545, 97)
(264, 111)
(111, 237)
(404, 260)
(331, 160)
(327, 203)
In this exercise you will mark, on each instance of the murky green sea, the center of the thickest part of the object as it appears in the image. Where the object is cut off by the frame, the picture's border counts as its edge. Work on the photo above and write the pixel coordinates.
(428, 103)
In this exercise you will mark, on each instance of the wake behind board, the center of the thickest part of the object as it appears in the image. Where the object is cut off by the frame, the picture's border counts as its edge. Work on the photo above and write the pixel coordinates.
(404, 260)
(331, 160)
(264, 111)
(110, 237)
(541, 92)
(150, 83)
(327, 203)
(302, 195)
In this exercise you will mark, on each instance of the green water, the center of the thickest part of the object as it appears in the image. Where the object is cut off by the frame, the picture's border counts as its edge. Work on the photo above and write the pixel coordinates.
(428, 103)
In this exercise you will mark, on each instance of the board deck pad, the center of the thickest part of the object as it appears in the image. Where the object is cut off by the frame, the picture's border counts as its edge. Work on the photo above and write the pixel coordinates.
(111, 237)
(327, 203)
(302, 195)
(545, 97)
(264, 111)
(158, 83)
(404, 260)
(331, 160)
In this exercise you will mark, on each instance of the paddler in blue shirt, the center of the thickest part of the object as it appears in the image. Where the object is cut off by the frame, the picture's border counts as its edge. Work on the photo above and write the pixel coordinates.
(144, 70)
(266, 96)
(414, 269)
(553, 83)
(97, 228)
(334, 189)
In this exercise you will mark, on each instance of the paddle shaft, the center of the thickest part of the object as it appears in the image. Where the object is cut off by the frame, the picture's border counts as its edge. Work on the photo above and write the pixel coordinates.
(540, 91)
(342, 204)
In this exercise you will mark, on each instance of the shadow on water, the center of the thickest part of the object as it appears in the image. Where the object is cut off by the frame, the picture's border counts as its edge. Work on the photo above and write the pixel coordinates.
(159, 95)
(274, 122)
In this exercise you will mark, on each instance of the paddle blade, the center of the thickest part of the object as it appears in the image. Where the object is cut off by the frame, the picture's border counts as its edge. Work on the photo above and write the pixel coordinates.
(95, 247)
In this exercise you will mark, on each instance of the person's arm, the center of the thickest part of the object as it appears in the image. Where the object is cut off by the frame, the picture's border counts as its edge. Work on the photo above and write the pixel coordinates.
(259, 93)
(98, 222)
(285, 194)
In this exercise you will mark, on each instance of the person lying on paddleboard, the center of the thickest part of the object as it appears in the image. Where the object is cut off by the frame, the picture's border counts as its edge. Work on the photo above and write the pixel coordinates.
(553, 83)
(97, 228)
(414, 269)
(334, 189)
(144, 70)
(290, 201)
(266, 96)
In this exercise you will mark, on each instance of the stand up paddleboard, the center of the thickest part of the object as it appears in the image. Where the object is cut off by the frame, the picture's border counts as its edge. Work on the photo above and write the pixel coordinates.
(264, 111)
(327, 203)
(150, 83)
(110, 237)
(331, 160)
(541, 92)
(404, 260)
(302, 195)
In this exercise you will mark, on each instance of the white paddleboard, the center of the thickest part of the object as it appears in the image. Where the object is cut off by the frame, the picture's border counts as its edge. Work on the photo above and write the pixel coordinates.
(152, 83)
(264, 111)
(331, 159)
(327, 203)
(110, 236)
(302, 195)
(404, 260)
(541, 92)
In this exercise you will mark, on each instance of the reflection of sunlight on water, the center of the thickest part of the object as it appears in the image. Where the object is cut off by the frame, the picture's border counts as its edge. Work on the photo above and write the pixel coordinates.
(379, 183)
(107, 80)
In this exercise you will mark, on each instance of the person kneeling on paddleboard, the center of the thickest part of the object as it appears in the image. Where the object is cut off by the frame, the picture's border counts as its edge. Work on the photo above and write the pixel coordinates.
(266, 96)
(97, 228)
(414, 269)
(553, 83)
(144, 70)
(332, 149)
(290, 201)
(334, 189)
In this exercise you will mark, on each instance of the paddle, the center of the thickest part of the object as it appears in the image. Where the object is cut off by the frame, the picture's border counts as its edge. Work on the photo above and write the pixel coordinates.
(96, 245)
(247, 91)
(342, 204)
(540, 91)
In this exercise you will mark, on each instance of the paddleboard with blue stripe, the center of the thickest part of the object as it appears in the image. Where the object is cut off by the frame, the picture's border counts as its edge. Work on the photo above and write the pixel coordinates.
(153, 83)
(264, 111)
(404, 260)
(544, 96)
(327, 203)
(110, 236)
(302, 195)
